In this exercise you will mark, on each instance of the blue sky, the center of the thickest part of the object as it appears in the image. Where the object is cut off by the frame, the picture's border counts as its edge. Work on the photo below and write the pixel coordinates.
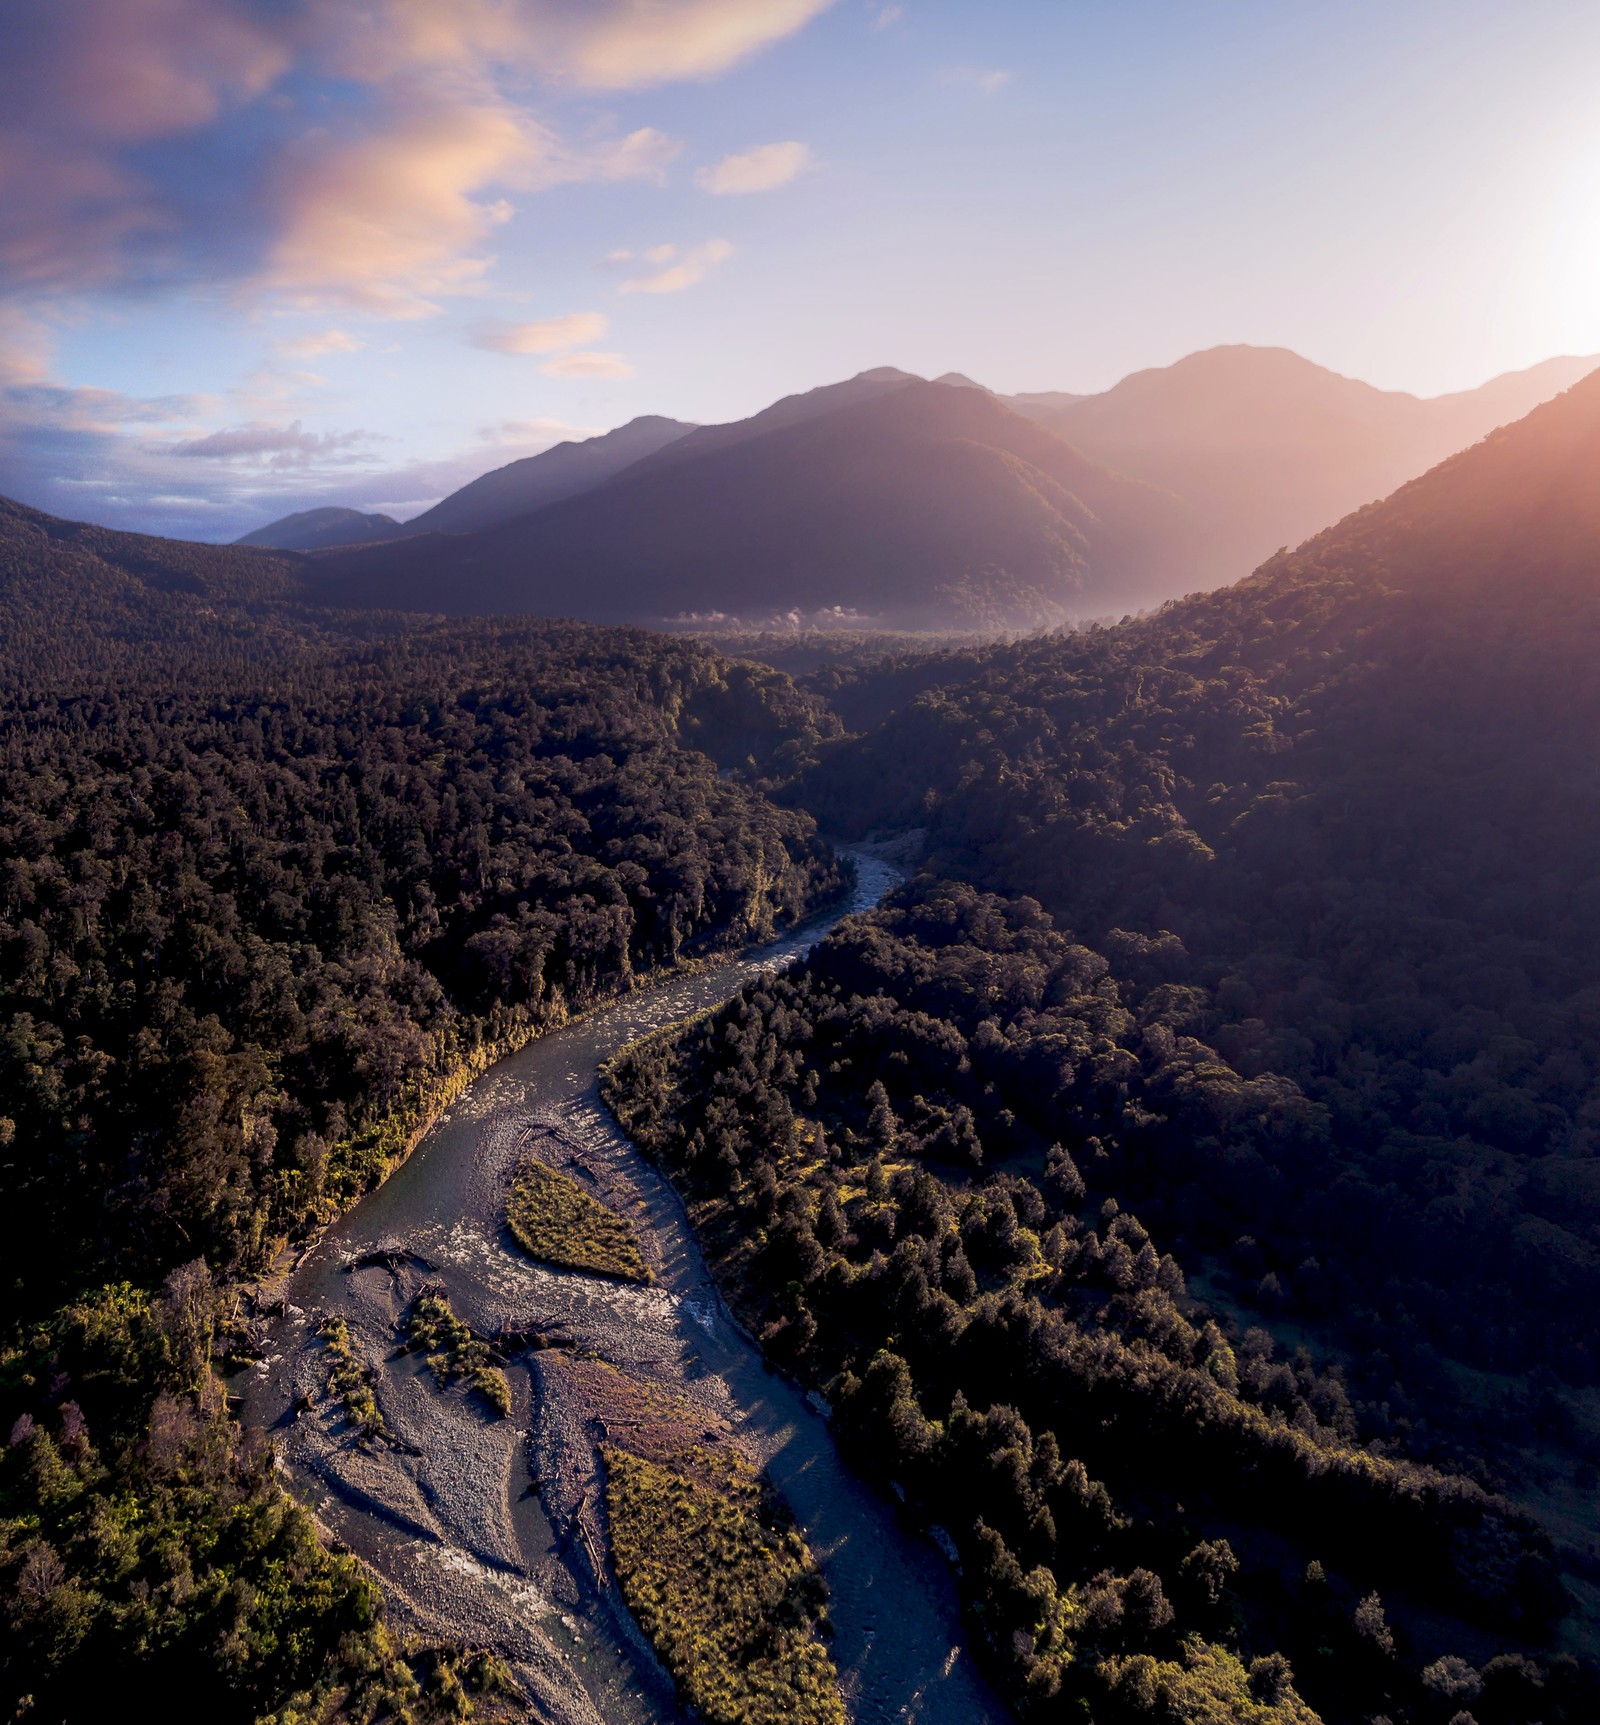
(260, 254)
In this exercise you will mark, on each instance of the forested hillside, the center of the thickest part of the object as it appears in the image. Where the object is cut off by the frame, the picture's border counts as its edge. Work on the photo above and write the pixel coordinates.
(1346, 804)
(267, 894)
(915, 1162)
(1192, 1206)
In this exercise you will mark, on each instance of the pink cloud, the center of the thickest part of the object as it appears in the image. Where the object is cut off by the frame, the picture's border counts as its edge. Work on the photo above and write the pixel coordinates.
(693, 264)
(587, 365)
(544, 335)
(388, 213)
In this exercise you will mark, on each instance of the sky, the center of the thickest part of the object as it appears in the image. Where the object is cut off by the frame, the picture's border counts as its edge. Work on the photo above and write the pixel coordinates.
(260, 255)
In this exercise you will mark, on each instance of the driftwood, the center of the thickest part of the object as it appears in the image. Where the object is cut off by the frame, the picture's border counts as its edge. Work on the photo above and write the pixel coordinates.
(391, 1258)
(513, 1339)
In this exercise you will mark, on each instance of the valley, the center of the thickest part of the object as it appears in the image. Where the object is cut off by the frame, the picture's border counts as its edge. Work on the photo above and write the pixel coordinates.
(799, 863)
(469, 1550)
(1134, 1266)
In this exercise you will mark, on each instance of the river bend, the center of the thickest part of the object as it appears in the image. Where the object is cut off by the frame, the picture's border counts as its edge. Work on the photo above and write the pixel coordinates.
(491, 1531)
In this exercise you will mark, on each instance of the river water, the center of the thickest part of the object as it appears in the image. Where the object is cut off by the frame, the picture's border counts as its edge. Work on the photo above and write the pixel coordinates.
(489, 1531)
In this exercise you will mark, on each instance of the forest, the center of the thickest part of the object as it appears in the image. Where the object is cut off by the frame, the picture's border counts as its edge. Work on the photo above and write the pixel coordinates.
(258, 917)
(1183, 1191)
(1226, 1083)
(910, 1160)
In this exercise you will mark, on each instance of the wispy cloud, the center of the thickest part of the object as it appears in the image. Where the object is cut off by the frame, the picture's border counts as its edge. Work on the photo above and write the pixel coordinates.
(319, 342)
(683, 266)
(762, 169)
(546, 335)
(887, 16)
(587, 365)
(161, 464)
(276, 446)
(987, 81)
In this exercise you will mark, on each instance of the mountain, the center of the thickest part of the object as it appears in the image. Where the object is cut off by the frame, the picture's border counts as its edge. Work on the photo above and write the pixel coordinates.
(884, 499)
(564, 471)
(75, 598)
(47, 561)
(789, 410)
(1269, 447)
(317, 529)
(1333, 832)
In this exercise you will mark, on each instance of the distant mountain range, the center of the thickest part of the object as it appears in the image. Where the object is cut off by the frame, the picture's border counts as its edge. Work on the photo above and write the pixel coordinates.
(1270, 448)
(883, 501)
(889, 501)
(317, 529)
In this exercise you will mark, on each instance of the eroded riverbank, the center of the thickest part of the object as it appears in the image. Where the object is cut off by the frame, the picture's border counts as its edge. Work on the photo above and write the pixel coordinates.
(491, 1531)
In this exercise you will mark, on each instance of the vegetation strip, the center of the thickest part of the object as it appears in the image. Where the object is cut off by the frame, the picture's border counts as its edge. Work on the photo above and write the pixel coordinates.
(552, 1218)
(351, 1381)
(455, 1355)
(729, 1597)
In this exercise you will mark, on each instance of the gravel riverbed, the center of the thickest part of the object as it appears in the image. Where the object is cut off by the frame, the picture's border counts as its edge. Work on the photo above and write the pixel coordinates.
(491, 1531)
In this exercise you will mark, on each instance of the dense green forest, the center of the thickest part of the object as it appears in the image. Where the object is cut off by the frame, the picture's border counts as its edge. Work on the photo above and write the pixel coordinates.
(1239, 1158)
(909, 1161)
(266, 890)
(1185, 1189)
(240, 929)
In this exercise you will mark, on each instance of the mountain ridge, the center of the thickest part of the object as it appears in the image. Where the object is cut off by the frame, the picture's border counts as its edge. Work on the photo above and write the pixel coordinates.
(315, 529)
(886, 499)
(1271, 447)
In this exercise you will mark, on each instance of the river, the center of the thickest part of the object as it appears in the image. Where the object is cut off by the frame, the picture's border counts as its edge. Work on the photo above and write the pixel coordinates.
(490, 1531)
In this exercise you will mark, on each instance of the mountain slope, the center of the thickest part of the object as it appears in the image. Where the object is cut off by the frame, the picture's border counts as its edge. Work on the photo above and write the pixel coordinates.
(76, 599)
(886, 499)
(316, 529)
(564, 471)
(1269, 447)
(1335, 831)
(1270, 945)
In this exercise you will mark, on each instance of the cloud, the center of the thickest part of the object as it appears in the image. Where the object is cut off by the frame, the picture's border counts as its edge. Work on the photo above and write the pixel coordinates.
(985, 81)
(63, 406)
(98, 455)
(641, 155)
(548, 335)
(587, 365)
(356, 154)
(318, 343)
(888, 16)
(276, 446)
(626, 44)
(387, 222)
(762, 169)
(693, 265)
(24, 348)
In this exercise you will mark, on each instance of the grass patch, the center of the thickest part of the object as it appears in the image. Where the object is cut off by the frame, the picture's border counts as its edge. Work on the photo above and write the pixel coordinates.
(350, 1381)
(728, 1595)
(454, 1353)
(552, 1218)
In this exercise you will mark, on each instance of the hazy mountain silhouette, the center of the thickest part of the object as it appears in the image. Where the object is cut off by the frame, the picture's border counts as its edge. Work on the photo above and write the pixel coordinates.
(1270, 448)
(884, 498)
(564, 471)
(1516, 517)
(316, 529)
